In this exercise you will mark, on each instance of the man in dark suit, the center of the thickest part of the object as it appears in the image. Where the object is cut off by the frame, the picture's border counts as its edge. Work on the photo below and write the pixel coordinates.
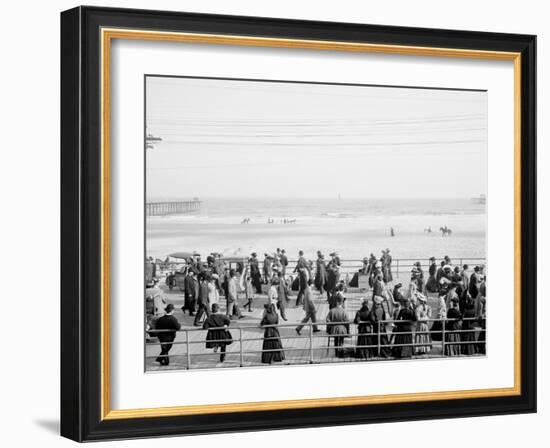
(255, 273)
(304, 274)
(166, 328)
(203, 305)
(191, 291)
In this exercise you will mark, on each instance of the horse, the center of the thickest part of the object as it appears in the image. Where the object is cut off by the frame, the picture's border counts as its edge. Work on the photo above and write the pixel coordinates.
(445, 231)
(428, 230)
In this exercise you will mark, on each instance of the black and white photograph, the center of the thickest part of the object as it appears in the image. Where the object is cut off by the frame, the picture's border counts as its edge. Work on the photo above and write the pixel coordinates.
(296, 223)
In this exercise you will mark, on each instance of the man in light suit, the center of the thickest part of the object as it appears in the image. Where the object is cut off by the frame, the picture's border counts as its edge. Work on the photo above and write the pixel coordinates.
(232, 296)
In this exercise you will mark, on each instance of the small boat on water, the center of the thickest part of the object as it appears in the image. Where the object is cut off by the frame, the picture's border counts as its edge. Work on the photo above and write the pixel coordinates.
(481, 199)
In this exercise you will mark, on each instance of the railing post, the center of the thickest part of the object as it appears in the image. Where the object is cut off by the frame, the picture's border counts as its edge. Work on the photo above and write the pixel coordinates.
(188, 353)
(443, 337)
(311, 343)
(378, 322)
(241, 345)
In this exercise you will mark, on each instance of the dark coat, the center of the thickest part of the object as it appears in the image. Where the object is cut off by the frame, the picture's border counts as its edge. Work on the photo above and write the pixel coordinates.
(320, 275)
(191, 286)
(203, 293)
(167, 322)
(272, 340)
(403, 333)
(219, 336)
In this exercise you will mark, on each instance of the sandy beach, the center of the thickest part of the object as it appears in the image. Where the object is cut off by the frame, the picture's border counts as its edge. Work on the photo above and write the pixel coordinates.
(352, 231)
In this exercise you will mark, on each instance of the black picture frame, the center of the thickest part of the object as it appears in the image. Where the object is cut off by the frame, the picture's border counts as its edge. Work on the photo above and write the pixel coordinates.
(81, 224)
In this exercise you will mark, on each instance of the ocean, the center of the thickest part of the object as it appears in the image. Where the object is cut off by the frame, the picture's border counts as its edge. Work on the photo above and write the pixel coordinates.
(353, 227)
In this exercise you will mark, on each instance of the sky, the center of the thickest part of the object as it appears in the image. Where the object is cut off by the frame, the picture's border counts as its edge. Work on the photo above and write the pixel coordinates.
(235, 138)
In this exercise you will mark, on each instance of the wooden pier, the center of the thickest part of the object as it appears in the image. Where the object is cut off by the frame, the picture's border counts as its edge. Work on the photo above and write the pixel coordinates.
(172, 208)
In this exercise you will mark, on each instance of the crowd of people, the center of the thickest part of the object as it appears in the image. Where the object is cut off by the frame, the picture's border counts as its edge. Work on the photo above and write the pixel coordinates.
(393, 321)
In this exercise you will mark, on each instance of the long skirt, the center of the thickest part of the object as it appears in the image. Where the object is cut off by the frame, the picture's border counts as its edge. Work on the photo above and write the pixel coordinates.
(403, 351)
(469, 337)
(386, 274)
(481, 339)
(272, 346)
(422, 337)
(437, 331)
(452, 344)
(431, 284)
(365, 338)
(338, 333)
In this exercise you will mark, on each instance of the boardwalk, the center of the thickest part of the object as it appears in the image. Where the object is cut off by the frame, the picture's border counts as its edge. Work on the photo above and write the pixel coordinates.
(297, 348)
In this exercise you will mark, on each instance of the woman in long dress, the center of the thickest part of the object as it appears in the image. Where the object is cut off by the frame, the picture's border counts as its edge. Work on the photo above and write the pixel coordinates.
(452, 340)
(481, 306)
(364, 328)
(272, 348)
(404, 328)
(386, 266)
(431, 284)
(338, 326)
(422, 337)
(469, 336)
(437, 326)
(376, 315)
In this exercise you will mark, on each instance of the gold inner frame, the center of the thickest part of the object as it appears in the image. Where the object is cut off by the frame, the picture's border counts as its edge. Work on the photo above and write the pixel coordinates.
(107, 35)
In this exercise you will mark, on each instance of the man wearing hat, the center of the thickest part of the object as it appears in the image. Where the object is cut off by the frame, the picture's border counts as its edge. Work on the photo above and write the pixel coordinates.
(284, 261)
(255, 274)
(268, 272)
(165, 329)
(203, 304)
(304, 275)
(191, 292)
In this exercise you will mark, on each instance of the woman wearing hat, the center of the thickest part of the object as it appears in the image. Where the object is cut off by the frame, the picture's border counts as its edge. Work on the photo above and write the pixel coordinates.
(272, 348)
(376, 315)
(452, 325)
(437, 326)
(404, 327)
(364, 328)
(431, 284)
(397, 294)
(468, 337)
(423, 339)
(333, 275)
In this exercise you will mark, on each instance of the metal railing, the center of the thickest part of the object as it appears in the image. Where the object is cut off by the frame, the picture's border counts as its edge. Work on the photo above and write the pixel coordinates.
(350, 266)
(382, 343)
